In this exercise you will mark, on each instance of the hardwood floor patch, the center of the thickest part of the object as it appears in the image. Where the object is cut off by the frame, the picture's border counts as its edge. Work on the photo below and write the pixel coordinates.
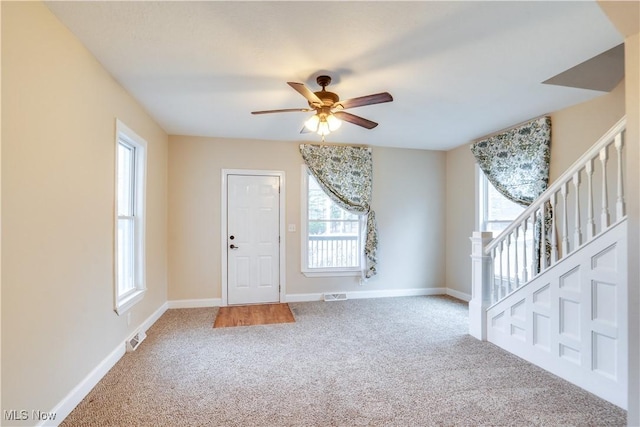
(249, 315)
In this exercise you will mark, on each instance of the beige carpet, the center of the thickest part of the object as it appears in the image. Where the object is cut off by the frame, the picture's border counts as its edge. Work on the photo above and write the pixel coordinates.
(378, 362)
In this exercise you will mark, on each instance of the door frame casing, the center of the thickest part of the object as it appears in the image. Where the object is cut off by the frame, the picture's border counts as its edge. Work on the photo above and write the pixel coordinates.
(224, 249)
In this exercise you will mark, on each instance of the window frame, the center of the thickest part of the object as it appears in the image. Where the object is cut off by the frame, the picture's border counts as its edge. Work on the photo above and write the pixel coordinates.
(482, 204)
(482, 212)
(304, 227)
(128, 138)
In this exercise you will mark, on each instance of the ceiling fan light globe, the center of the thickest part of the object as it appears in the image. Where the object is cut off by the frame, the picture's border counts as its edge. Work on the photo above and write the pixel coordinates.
(323, 128)
(312, 123)
(334, 122)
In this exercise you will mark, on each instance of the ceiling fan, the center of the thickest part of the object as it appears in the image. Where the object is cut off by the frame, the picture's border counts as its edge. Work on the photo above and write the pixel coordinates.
(329, 109)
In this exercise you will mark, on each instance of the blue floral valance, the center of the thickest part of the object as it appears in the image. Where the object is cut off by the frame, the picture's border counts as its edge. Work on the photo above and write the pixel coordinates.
(516, 161)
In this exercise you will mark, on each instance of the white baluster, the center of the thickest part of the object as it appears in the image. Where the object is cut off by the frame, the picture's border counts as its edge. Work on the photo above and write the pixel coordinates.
(515, 266)
(604, 218)
(554, 243)
(620, 208)
(494, 294)
(508, 245)
(543, 240)
(578, 230)
(565, 234)
(534, 261)
(591, 225)
(501, 283)
(525, 273)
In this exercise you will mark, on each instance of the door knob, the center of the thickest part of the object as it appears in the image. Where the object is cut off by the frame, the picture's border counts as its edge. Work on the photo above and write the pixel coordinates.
(233, 247)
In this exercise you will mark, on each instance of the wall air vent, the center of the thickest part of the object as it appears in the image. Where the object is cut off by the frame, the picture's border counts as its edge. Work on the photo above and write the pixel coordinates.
(335, 297)
(135, 341)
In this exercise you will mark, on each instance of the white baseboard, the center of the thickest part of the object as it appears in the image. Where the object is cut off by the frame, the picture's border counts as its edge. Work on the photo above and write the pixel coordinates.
(304, 297)
(154, 317)
(387, 293)
(460, 295)
(80, 391)
(319, 296)
(64, 408)
(195, 303)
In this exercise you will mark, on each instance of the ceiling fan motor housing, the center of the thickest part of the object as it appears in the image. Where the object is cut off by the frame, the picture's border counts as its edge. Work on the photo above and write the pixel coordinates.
(328, 98)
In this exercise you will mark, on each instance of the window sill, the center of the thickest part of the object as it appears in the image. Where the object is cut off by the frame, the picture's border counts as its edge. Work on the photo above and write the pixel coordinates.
(329, 273)
(125, 304)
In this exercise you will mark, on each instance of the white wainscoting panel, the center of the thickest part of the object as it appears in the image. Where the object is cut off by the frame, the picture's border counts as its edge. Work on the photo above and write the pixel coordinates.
(572, 319)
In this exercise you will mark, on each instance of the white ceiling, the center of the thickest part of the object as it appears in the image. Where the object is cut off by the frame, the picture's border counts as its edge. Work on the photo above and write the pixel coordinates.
(457, 70)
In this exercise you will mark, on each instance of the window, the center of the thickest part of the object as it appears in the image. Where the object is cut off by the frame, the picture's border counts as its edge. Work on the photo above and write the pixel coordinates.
(331, 236)
(496, 212)
(130, 218)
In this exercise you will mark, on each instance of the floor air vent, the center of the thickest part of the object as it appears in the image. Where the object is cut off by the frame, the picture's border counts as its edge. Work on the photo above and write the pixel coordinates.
(135, 341)
(335, 297)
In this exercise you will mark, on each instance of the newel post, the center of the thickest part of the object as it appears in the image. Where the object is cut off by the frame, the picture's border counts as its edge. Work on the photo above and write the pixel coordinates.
(480, 284)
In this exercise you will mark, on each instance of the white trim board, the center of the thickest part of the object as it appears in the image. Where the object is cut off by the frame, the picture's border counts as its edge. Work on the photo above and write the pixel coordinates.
(309, 297)
(195, 303)
(75, 396)
(144, 326)
(80, 391)
(388, 293)
(459, 295)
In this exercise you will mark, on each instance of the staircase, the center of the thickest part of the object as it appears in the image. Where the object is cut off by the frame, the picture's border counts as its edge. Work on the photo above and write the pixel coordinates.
(552, 287)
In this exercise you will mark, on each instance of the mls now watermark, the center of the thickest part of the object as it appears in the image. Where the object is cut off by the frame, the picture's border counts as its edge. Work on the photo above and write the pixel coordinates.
(24, 415)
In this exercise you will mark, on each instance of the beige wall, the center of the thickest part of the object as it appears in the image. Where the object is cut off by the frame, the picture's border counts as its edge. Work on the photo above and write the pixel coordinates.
(408, 198)
(58, 142)
(573, 131)
(461, 217)
(58, 111)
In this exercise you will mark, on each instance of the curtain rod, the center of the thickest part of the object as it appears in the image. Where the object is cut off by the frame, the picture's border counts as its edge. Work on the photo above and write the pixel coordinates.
(509, 128)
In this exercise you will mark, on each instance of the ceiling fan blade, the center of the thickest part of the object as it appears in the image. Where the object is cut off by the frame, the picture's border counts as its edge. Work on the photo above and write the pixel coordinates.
(286, 110)
(304, 91)
(356, 120)
(377, 98)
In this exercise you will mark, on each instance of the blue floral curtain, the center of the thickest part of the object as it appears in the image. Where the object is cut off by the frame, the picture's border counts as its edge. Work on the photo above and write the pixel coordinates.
(345, 173)
(516, 162)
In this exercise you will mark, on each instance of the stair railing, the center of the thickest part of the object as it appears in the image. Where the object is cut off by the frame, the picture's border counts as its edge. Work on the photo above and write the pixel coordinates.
(575, 209)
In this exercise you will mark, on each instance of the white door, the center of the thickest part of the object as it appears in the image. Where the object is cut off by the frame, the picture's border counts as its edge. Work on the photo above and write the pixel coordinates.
(253, 228)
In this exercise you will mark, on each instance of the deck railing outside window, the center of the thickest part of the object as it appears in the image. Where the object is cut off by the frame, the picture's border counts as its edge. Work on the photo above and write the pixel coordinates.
(330, 251)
